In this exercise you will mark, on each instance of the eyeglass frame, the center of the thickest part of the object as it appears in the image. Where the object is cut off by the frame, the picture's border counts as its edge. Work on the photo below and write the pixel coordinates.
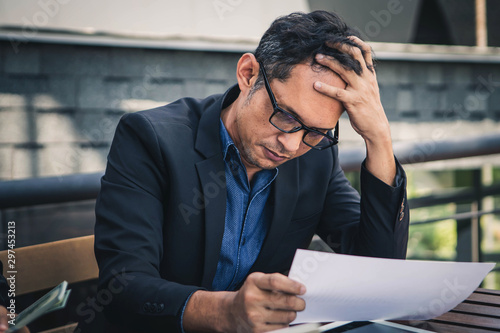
(276, 109)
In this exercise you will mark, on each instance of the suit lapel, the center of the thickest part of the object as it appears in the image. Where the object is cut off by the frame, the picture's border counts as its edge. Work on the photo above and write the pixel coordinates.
(213, 182)
(285, 197)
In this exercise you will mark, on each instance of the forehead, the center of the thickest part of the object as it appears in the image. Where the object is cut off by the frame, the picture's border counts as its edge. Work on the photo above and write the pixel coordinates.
(297, 94)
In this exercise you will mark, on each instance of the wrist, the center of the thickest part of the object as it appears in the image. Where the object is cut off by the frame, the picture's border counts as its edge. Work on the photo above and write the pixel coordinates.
(379, 144)
(378, 135)
(208, 311)
(225, 322)
(380, 160)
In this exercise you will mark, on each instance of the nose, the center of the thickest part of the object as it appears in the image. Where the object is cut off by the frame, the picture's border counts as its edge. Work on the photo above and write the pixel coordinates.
(291, 141)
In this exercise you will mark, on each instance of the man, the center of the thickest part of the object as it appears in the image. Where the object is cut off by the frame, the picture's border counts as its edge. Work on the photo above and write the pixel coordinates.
(204, 202)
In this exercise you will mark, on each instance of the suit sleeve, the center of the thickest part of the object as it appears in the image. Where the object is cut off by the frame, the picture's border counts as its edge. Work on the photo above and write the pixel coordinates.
(129, 233)
(375, 224)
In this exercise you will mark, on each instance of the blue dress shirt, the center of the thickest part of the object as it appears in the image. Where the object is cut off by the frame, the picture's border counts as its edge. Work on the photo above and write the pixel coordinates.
(247, 217)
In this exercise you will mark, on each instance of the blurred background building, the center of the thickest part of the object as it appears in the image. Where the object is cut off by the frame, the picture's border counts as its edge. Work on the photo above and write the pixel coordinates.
(69, 69)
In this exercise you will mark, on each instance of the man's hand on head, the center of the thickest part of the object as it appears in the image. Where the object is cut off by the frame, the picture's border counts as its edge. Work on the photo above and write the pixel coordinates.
(361, 97)
(361, 100)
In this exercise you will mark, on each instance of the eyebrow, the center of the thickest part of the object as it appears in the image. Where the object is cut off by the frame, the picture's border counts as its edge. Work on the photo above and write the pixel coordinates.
(292, 111)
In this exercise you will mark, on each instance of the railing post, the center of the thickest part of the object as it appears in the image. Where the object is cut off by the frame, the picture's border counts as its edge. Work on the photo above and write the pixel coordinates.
(469, 230)
(477, 178)
(488, 224)
(464, 236)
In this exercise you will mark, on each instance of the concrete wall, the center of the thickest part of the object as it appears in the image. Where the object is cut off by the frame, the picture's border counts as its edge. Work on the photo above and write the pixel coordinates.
(59, 104)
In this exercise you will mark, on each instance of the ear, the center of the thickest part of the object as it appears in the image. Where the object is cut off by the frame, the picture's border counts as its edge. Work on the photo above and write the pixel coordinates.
(247, 72)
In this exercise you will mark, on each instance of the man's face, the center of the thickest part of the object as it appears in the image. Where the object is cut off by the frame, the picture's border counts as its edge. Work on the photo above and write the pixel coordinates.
(262, 145)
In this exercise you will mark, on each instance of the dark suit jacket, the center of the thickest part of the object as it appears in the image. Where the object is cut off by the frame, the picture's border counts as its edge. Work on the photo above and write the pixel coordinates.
(160, 212)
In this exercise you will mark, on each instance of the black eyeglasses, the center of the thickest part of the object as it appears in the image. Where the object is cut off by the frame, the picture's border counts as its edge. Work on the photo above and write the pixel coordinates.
(288, 123)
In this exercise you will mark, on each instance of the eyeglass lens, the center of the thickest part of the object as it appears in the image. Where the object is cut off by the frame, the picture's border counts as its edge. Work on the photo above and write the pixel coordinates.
(285, 122)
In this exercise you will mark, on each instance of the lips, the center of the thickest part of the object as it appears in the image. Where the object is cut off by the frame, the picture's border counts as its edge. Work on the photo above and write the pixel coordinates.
(273, 156)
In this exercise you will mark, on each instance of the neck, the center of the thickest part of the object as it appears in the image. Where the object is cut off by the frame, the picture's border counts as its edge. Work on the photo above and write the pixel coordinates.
(228, 116)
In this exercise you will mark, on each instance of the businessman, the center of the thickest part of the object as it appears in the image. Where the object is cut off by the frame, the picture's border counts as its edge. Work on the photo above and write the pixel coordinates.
(204, 202)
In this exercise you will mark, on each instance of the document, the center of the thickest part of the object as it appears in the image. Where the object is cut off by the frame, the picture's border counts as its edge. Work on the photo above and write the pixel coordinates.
(353, 288)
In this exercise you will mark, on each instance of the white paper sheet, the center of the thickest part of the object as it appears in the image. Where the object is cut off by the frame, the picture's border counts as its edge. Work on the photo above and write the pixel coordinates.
(352, 288)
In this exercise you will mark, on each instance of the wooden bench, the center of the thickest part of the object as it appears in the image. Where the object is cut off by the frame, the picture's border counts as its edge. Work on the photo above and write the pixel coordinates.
(44, 266)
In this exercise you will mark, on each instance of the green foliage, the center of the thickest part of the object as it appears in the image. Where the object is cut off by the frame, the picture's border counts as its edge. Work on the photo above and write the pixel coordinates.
(353, 178)
(433, 241)
(496, 175)
(437, 241)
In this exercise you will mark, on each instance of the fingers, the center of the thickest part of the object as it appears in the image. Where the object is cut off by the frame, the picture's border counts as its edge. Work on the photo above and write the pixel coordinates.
(273, 327)
(363, 53)
(280, 301)
(268, 301)
(339, 94)
(3, 319)
(355, 82)
(277, 282)
(272, 317)
(4, 322)
(347, 75)
(280, 292)
(367, 52)
(264, 319)
(281, 317)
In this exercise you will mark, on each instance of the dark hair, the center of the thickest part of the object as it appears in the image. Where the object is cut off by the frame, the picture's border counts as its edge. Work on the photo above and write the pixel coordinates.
(297, 38)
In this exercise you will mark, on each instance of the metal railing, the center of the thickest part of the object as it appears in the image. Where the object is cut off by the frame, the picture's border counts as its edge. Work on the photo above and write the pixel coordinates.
(468, 227)
(46, 190)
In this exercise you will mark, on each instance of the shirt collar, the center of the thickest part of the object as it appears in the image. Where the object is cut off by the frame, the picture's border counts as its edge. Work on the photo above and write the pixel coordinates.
(226, 141)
